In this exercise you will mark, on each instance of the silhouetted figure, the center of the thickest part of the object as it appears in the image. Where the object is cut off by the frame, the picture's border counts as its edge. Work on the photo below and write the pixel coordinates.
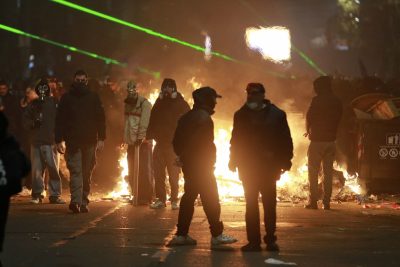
(322, 123)
(10, 106)
(194, 145)
(14, 165)
(262, 149)
(80, 122)
(167, 110)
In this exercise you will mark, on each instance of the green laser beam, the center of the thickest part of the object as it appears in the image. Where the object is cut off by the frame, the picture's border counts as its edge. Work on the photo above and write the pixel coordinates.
(306, 58)
(65, 46)
(77, 50)
(156, 34)
(138, 28)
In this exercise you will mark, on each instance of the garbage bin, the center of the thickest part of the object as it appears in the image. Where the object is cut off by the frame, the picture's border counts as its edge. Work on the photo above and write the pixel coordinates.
(378, 155)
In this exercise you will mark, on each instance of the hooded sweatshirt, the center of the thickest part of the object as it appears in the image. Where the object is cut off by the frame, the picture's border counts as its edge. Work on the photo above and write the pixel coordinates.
(80, 119)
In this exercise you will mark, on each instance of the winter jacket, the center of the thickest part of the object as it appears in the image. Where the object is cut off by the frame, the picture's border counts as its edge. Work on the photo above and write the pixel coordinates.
(13, 113)
(80, 119)
(14, 165)
(39, 119)
(261, 140)
(323, 117)
(164, 118)
(137, 118)
(193, 141)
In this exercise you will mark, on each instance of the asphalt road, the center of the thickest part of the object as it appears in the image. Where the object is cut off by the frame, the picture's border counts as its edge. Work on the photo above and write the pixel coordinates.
(118, 234)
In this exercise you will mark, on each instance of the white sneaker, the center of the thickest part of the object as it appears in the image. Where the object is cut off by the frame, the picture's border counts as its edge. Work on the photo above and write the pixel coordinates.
(36, 200)
(158, 204)
(222, 240)
(180, 240)
(174, 205)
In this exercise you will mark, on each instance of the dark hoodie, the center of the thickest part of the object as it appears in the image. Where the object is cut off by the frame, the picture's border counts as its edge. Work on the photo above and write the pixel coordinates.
(43, 133)
(323, 117)
(80, 119)
(194, 138)
(164, 118)
(14, 165)
(261, 139)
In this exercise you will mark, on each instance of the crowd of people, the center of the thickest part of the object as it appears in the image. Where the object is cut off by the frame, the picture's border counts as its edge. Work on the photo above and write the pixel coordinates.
(77, 123)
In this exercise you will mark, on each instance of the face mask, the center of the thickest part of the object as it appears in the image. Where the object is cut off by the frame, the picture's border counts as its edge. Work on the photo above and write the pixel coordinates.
(252, 105)
(79, 85)
(131, 89)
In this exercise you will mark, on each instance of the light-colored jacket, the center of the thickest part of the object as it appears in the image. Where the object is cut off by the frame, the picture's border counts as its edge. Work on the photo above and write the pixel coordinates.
(136, 120)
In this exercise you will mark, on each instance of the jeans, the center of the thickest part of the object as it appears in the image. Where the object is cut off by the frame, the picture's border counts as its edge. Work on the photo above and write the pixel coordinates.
(164, 159)
(200, 181)
(45, 157)
(81, 162)
(321, 152)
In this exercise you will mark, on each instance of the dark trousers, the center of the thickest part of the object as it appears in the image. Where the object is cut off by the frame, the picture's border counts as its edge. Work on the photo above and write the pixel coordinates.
(164, 159)
(253, 186)
(81, 162)
(4, 206)
(200, 181)
(321, 152)
(145, 187)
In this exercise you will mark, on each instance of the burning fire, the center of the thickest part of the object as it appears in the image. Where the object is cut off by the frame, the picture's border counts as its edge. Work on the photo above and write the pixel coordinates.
(153, 96)
(122, 189)
(229, 184)
(292, 185)
(351, 180)
(273, 43)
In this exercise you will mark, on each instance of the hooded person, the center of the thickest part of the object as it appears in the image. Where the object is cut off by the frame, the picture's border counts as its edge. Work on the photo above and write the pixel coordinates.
(137, 117)
(167, 110)
(39, 120)
(14, 165)
(194, 145)
(261, 149)
(322, 123)
(80, 123)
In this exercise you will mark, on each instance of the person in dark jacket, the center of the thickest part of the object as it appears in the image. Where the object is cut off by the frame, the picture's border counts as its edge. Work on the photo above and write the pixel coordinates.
(39, 120)
(322, 122)
(167, 110)
(261, 149)
(10, 106)
(194, 145)
(80, 122)
(14, 165)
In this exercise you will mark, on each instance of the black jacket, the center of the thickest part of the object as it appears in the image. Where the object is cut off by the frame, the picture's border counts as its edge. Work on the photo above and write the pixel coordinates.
(13, 112)
(194, 139)
(41, 133)
(323, 117)
(164, 118)
(14, 165)
(261, 140)
(80, 119)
